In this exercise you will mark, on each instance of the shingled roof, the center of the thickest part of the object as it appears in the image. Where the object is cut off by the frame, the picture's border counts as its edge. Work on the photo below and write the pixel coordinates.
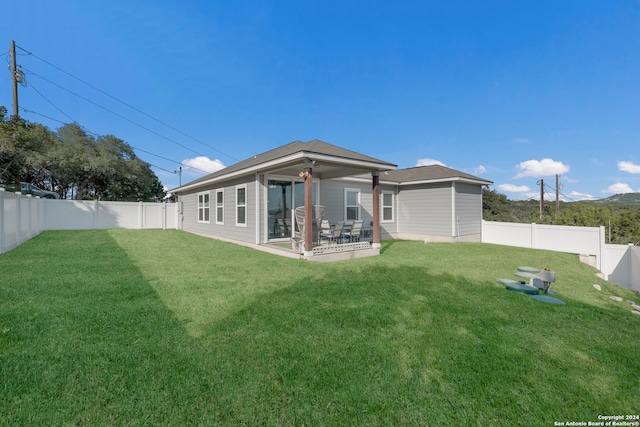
(430, 173)
(306, 149)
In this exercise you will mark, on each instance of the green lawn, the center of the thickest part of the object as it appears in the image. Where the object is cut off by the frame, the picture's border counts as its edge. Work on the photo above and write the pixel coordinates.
(159, 327)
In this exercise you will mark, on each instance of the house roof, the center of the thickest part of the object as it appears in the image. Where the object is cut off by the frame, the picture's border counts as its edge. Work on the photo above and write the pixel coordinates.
(329, 161)
(429, 174)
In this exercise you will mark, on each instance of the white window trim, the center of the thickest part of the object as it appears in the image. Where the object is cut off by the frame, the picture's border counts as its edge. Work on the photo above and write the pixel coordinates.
(204, 207)
(353, 190)
(382, 206)
(220, 190)
(238, 187)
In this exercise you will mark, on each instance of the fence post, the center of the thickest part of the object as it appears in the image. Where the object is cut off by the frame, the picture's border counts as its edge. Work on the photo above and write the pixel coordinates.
(29, 209)
(601, 259)
(163, 212)
(19, 218)
(534, 232)
(94, 219)
(140, 215)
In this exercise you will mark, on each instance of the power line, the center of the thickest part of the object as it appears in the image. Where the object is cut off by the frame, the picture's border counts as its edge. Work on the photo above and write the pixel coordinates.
(50, 102)
(95, 134)
(126, 104)
(114, 113)
(135, 148)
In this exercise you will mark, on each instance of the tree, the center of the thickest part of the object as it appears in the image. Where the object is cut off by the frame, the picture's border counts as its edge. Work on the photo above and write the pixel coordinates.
(22, 146)
(71, 161)
(496, 207)
(103, 167)
(622, 221)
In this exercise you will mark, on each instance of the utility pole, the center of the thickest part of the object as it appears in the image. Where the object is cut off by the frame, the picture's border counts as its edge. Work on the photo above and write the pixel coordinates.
(14, 77)
(557, 198)
(541, 197)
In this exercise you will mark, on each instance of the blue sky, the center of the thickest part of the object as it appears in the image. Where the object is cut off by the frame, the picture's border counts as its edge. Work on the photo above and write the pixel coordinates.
(511, 91)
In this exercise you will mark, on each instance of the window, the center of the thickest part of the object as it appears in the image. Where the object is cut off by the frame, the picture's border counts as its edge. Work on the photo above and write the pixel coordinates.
(387, 206)
(220, 206)
(351, 204)
(241, 205)
(203, 207)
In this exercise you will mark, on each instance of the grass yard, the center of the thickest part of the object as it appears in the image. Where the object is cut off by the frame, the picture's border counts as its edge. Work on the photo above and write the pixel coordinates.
(117, 327)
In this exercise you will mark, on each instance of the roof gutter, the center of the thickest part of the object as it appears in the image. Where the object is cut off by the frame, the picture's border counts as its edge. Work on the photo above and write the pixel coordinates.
(457, 179)
(424, 181)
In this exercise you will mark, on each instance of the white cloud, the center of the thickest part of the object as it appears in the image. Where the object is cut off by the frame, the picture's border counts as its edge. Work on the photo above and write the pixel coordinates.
(544, 167)
(521, 140)
(618, 188)
(203, 164)
(510, 188)
(480, 170)
(628, 167)
(429, 162)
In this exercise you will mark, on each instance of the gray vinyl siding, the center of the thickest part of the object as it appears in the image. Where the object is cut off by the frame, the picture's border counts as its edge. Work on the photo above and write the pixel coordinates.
(425, 209)
(332, 197)
(468, 209)
(228, 230)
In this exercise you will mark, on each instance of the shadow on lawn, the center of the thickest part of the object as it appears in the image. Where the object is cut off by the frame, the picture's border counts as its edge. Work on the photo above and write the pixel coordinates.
(358, 343)
(87, 340)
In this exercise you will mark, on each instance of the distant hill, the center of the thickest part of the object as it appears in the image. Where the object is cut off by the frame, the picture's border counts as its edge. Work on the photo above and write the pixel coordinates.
(623, 199)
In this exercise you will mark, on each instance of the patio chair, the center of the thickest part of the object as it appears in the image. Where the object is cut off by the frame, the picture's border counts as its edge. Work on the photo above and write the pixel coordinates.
(284, 226)
(336, 232)
(353, 234)
(317, 216)
(325, 230)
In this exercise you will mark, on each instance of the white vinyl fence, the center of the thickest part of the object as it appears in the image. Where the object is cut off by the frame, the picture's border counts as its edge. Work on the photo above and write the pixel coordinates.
(620, 264)
(23, 217)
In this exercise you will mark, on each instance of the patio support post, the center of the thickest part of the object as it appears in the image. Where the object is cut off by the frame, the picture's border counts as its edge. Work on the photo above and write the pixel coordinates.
(308, 211)
(375, 175)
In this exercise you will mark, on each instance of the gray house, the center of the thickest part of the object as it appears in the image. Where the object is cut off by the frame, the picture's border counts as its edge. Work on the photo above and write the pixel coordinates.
(253, 201)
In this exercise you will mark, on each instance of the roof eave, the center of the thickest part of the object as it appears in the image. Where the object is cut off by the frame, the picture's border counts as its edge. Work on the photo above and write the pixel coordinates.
(360, 164)
(457, 179)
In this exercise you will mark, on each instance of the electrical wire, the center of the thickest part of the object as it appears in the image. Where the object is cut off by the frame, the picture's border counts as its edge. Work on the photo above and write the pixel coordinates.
(126, 104)
(135, 148)
(93, 133)
(50, 102)
(114, 113)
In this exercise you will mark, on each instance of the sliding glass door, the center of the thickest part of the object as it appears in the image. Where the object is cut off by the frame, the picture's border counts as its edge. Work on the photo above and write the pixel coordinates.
(283, 196)
(279, 208)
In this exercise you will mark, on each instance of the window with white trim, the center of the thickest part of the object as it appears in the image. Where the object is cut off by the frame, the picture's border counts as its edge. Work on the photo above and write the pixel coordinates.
(241, 205)
(387, 206)
(351, 204)
(220, 206)
(203, 206)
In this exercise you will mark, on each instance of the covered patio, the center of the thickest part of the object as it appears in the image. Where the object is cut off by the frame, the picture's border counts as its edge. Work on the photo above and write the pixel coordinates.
(254, 201)
(292, 199)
